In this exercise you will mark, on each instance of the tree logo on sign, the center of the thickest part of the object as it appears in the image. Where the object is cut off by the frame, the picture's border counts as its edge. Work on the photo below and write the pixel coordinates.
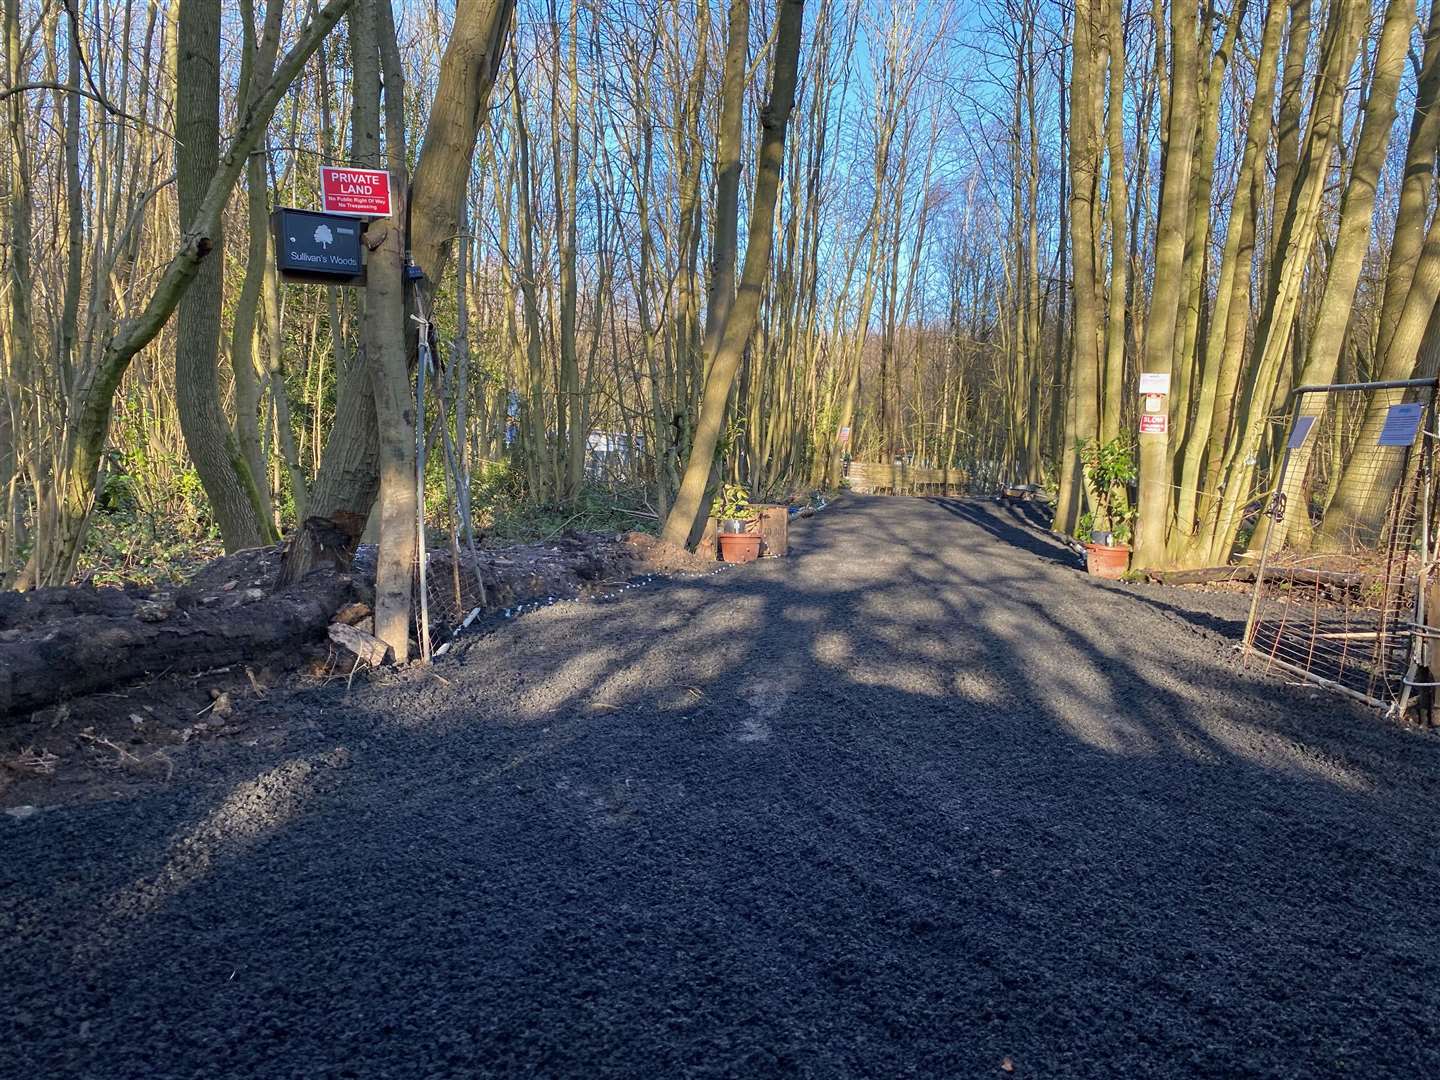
(323, 236)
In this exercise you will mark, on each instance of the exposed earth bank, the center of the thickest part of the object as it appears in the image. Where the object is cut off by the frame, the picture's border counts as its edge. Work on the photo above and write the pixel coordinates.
(102, 689)
(921, 800)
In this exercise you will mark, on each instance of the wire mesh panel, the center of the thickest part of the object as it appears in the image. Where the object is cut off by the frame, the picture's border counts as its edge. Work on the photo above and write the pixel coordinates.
(454, 588)
(1345, 540)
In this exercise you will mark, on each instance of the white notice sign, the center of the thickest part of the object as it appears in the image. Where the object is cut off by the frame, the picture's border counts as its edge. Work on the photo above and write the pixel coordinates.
(1154, 382)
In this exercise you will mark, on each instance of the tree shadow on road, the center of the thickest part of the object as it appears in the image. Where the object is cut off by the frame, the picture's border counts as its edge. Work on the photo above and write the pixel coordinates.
(901, 804)
(1024, 525)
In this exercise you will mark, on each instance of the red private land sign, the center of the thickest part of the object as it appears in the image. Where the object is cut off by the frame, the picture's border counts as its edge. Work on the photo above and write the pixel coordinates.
(356, 192)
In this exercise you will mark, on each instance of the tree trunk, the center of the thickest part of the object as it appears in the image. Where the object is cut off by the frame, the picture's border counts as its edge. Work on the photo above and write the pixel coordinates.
(1084, 243)
(257, 64)
(218, 458)
(89, 427)
(1408, 237)
(1347, 259)
(727, 174)
(1113, 413)
(348, 479)
(1224, 348)
(688, 511)
(1167, 293)
(457, 113)
(383, 330)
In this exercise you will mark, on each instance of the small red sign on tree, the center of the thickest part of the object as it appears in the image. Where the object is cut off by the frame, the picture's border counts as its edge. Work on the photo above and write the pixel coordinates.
(1154, 423)
(356, 192)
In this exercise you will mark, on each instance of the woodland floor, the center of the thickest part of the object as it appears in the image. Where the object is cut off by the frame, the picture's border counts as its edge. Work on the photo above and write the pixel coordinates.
(921, 800)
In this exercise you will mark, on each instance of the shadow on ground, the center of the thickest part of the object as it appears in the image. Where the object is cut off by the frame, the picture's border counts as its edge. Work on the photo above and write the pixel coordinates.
(920, 798)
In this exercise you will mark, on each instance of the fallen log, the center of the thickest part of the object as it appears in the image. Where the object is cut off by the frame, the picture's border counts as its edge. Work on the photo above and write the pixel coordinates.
(60, 644)
(1301, 575)
(1203, 576)
(80, 641)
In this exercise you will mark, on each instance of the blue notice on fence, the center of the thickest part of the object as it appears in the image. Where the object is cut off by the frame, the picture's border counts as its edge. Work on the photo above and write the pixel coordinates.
(1300, 432)
(1401, 424)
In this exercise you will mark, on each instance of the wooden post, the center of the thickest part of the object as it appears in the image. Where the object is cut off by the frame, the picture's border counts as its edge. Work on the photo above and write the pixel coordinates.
(1429, 668)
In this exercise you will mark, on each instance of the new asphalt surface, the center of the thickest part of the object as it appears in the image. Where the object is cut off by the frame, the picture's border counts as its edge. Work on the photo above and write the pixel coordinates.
(921, 800)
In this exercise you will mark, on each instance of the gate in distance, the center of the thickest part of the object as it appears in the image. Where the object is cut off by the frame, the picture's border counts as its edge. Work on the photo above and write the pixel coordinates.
(1347, 571)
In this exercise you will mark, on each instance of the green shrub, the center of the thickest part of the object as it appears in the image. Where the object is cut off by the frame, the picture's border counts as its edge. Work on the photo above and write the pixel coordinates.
(1109, 470)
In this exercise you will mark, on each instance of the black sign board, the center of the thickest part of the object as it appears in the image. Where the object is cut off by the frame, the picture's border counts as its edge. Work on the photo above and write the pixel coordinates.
(317, 247)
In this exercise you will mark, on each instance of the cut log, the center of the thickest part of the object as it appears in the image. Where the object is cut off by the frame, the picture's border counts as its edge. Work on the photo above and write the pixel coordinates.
(1300, 575)
(90, 639)
(367, 648)
(1203, 576)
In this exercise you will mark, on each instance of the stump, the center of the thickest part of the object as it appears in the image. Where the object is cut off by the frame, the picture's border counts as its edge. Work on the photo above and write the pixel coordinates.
(709, 546)
(774, 530)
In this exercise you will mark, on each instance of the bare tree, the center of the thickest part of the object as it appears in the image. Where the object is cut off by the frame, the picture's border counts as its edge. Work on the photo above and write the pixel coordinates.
(687, 513)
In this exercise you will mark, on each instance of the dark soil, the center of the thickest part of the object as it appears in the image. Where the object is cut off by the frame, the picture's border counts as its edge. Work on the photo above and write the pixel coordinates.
(921, 800)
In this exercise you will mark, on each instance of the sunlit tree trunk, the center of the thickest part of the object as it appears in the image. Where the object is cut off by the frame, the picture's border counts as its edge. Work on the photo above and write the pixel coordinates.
(687, 513)
(348, 478)
(257, 63)
(1359, 495)
(1167, 293)
(1113, 412)
(372, 43)
(1295, 237)
(1347, 258)
(1084, 248)
(1224, 350)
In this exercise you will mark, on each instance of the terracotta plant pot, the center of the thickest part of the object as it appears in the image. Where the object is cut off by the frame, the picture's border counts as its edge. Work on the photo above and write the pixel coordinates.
(739, 547)
(1107, 560)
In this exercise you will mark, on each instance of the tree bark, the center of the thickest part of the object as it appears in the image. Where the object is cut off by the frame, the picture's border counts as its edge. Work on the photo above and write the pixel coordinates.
(727, 174)
(688, 511)
(1408, 237)
(1347, 259)
(1084, 248)
(1230, 316)
(218, 458)
(1113, 413)
(457, 113)
(1167, 293)
(383, 327)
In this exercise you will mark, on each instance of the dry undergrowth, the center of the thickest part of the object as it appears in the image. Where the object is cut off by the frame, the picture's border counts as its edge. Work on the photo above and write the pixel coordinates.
(156, 763)
(32, 762)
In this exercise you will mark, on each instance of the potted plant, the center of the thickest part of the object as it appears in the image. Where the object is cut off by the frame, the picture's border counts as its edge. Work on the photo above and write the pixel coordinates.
(732, 509)
(1107, 527)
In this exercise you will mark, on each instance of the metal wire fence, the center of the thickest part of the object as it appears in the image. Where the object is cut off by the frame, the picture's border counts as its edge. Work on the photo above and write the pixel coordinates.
(1345, 541)
(448, 582)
